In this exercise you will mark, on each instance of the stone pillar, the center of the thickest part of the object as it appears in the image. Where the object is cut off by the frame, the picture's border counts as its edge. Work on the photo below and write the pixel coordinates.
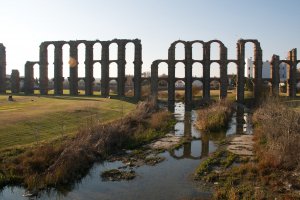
(29, 79)
(240, 72)
(188, 77)
(257, 70)
(58, 68)
(121, 67)
(206, 72)
(43, 68)
(89, 79)
(171, 78)
(154, 79)
(15, 81)
(105, 69)
(73, 79)
(223, 73)
(137, 69)
(292, 67)
(2, 69)
(275, 77)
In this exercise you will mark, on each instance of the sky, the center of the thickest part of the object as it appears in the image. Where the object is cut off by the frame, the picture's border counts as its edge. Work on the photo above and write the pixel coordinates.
(25, 24)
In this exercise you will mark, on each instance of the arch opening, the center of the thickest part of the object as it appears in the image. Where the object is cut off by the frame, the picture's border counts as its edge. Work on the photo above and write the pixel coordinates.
(129, 69)
(179, 51)
(97, 77)
(179, 70)
(179, 90)
(50, 50)
(97, 51)
(215, 51)
(113, 51)
(197, 70)
(66, 68)
(197, 53)
(197, 90)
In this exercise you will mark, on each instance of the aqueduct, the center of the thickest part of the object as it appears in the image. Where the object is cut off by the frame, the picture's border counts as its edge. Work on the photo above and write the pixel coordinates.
(171, 62)
(89, 62)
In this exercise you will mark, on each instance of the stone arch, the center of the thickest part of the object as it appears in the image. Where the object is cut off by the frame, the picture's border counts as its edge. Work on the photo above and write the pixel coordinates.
(298, 79)
(215, 69)
(163, 86)
(163, 69)
(180, 70)
(50, 59)
(215, 49)
(113, 69)
(97, 77)
(197, 70)
(81, 86)
(97, 50)
(129, 58)
(197, 89)
(198, 49)
(66, 66)
(180, 89)
(113, 51)
(179, 49)
(113, 86)
(81, 59)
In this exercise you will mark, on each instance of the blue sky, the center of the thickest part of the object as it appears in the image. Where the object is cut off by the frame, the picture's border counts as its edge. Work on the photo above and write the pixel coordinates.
(25, 24)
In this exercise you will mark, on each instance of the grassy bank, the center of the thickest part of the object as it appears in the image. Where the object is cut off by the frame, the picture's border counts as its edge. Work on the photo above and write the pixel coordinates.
(214, 117)
(28, 120)
(273, 172)
(62, 162)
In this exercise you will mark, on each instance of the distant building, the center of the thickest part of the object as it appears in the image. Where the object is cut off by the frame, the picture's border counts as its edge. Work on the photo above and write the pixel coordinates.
(266, 69)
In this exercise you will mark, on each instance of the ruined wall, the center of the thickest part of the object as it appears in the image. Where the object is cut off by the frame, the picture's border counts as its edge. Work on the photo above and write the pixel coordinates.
(2, 69)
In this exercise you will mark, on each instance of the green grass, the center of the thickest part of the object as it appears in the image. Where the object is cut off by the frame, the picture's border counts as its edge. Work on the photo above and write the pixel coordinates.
(31, 119)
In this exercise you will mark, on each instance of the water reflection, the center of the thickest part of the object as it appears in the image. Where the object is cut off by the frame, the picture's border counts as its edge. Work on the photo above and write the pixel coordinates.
(241, 121)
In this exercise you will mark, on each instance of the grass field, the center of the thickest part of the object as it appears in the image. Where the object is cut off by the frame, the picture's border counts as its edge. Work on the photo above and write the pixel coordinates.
(34, 119)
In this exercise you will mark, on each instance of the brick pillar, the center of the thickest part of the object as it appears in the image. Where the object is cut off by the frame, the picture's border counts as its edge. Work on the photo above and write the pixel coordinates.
(292, 67)
(206, 72)
(240, 72)
(257, 70)
(171, 78)
(58, 68)
(223, 73)
(137, 69)
(29, 79)
(15, 81)
(105, 69)
(89, 79)
(43, 68)
(73, 79)
(275, 77)
(154, 79)
(2, 69)
(188, 77)
(121, 68)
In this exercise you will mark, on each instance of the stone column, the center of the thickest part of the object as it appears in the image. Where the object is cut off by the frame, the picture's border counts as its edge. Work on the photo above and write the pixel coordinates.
(105, 69)
(89, 79)
(206, 72)
(223, 73)
(15, 81)
(257, 70)
(240, 72)
(43, 68)
(171, 78)
(73, 79)
(137, 69)
(29, 79)
(121, 67)
(188, 77)
(275, 77)
(292, 82)
(154, 79)
(58, 69)
(2, 69)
